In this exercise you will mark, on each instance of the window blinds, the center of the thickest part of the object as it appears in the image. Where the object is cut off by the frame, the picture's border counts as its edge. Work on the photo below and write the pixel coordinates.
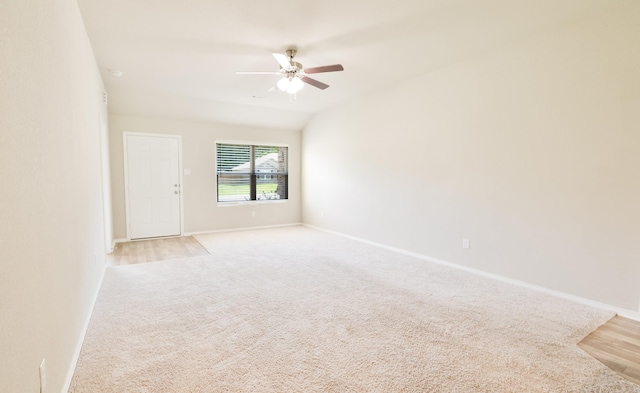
(249, 173)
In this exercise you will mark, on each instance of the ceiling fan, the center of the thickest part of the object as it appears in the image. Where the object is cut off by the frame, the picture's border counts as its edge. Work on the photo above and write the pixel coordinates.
(294, 74)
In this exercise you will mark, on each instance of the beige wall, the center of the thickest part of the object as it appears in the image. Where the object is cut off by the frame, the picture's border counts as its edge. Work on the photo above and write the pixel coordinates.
(531, 152)
(51, 215)
(201, 212)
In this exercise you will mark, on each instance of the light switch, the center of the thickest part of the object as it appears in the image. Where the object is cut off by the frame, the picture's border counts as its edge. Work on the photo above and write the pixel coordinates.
(187, 171)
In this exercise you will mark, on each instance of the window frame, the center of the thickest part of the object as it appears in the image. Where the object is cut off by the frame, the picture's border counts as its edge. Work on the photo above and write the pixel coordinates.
(253, 176)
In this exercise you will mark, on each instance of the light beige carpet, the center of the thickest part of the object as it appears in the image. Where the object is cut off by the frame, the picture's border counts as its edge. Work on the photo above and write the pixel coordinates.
(297, 310)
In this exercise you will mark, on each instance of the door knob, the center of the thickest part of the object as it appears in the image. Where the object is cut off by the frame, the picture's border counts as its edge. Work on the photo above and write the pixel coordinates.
(176, 192)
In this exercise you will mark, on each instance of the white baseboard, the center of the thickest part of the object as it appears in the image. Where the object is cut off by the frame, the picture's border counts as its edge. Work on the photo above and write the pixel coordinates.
(620, 311)
(123, 240)
(242, 229)
(85, 327)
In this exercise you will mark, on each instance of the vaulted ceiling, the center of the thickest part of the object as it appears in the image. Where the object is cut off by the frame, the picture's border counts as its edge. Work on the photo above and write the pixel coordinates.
(179, 57)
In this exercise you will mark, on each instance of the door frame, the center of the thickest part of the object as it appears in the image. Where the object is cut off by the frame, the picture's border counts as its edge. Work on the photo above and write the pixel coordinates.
(125, 135)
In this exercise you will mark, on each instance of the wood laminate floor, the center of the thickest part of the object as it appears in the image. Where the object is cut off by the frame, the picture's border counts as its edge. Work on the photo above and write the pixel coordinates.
(617, 345)
(153, 250)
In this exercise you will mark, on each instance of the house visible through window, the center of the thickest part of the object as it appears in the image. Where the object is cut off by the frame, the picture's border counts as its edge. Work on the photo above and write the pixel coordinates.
(251, 173)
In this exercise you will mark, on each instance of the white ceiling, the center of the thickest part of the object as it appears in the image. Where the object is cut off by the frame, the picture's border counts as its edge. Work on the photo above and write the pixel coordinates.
(179, 57)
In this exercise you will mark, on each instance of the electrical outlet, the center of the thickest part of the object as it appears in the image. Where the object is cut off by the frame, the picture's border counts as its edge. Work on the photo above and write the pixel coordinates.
(465, 243)
(253, 213)
(43, 376)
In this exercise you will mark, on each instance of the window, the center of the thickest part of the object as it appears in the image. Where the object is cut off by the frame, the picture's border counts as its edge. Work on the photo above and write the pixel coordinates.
(241, 172)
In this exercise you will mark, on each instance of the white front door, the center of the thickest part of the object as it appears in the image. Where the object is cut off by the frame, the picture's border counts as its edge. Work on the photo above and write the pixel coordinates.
(153, 185)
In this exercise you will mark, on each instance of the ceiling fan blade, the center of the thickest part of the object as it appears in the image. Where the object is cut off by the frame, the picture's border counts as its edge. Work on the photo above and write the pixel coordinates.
(328, 68)
(283, 60)
(314, 82)
(257, 73)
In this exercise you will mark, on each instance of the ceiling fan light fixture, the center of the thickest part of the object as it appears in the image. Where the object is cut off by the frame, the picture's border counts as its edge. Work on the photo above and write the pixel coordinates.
(291, 85)
(283, 84)
(295, 85)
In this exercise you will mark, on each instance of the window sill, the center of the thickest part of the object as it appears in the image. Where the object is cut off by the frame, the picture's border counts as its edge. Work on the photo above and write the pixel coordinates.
(250, 203)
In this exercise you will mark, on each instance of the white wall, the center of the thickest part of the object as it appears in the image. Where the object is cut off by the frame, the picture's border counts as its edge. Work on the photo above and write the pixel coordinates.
(51, 214)
(531, 152)
(105, 167)
(201, 212)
